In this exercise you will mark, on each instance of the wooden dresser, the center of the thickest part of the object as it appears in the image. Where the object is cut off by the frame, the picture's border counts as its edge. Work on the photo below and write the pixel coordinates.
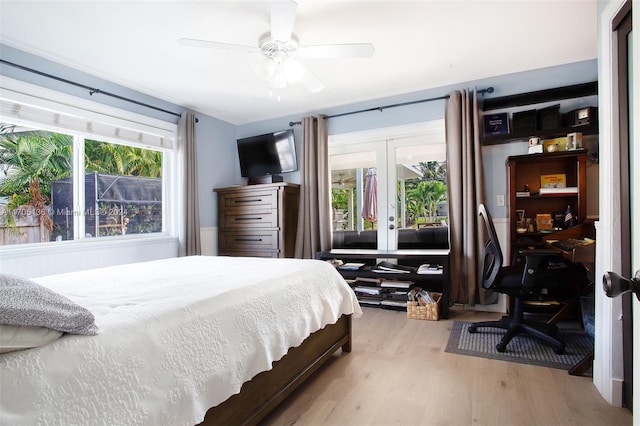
(258, 220)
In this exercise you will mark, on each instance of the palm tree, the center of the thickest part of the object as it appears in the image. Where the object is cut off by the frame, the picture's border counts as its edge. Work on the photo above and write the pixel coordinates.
(104, 157)
(30, 162)
(426, 196)
(433, 170)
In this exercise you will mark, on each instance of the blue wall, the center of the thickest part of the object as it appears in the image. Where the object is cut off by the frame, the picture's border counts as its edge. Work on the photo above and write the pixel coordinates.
(216, 139)
(494, 156)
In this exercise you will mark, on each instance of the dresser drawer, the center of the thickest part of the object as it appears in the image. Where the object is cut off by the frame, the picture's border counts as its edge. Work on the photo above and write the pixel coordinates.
(248, 201)
(253, 240)
(258, 218)
(249, 253)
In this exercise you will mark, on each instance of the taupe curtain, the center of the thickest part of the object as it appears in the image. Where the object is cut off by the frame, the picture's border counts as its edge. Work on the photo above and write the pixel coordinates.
(189, 231)
(465, 190)
(314, 221)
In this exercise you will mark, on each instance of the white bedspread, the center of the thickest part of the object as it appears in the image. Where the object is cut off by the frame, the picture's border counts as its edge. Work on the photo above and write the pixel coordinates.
(177, 337)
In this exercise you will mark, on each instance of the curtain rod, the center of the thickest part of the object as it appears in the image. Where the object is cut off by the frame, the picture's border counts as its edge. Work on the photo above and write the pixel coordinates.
(380, 108)
(92, 90)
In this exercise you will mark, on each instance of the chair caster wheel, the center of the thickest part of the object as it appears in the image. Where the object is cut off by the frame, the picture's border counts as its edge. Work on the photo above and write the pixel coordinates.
(472, 328)
(560, 349)
(500, 347)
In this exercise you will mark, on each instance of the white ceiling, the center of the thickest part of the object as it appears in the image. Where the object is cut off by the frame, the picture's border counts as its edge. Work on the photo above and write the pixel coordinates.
(419, 45)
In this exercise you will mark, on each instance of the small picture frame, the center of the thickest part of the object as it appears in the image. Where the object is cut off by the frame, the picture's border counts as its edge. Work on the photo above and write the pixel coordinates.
(544, 221)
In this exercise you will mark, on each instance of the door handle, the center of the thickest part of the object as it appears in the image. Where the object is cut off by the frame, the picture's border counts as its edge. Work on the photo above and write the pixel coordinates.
(614, 285)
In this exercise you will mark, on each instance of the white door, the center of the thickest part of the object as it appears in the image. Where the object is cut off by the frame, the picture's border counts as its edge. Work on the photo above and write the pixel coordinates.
(394, 157)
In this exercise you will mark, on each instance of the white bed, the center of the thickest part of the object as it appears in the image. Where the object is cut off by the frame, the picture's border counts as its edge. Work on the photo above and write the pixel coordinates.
(176, 337)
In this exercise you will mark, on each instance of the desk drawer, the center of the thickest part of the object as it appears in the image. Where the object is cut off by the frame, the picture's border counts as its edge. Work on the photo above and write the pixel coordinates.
(244, 202)
(259, 218)
(253, 240)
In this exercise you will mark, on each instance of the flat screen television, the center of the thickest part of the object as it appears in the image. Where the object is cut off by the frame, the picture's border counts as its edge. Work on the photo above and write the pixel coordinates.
(268, 154)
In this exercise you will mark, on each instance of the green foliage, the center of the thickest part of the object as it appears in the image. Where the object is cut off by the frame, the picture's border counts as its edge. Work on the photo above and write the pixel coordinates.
(103, 157)
(426, 196)
(423, 195)
(31, 161)
(26, 157)
(433, 170)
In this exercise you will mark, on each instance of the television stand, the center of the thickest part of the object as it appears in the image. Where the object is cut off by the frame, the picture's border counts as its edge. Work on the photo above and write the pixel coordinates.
(438, 282)
(258, 180)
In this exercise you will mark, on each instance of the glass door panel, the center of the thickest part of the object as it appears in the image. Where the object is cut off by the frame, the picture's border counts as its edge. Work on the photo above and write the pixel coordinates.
(354, 199)
(383, 190)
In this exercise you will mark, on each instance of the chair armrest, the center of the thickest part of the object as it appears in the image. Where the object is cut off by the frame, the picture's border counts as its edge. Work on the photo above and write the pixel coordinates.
(533, 260)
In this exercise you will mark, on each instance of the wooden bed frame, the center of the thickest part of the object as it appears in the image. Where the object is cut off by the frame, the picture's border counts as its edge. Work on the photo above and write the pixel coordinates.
(264, 392)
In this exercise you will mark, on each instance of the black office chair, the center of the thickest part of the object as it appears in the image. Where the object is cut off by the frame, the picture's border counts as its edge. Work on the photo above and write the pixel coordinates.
(521, 283)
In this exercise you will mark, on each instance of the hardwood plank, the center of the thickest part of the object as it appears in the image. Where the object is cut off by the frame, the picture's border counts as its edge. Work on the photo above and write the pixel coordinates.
(398, 373)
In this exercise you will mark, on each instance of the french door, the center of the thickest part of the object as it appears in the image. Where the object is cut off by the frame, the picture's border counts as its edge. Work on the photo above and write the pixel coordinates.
(387, 180)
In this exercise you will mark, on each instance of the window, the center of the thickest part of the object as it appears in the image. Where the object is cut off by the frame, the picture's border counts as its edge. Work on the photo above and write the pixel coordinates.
(88, 175)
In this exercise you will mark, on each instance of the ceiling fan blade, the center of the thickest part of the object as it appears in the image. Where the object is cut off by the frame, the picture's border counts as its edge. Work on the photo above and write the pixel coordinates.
(283, 15)
(326, 51)
(311, 82)
(194, 42)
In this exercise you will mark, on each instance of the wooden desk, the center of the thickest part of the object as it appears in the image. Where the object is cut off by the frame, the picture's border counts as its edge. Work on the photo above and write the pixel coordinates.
(583, 255)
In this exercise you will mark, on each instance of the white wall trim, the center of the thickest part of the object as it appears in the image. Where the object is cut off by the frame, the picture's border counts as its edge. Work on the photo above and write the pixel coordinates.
(209, 240)
(608, 365)
(69, 256)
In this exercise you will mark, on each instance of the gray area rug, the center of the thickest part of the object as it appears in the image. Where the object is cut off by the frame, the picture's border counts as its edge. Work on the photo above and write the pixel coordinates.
(523, 349)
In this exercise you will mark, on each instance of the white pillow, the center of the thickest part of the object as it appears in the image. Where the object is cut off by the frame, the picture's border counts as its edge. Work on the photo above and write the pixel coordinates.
(25, 302)
(18, 337)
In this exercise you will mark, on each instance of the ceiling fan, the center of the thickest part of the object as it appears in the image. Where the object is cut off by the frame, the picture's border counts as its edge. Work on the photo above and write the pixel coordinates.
(280, 48)
(342, 181)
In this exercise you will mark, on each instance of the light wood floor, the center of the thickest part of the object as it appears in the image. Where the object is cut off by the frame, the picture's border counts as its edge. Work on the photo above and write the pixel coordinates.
(399, 374)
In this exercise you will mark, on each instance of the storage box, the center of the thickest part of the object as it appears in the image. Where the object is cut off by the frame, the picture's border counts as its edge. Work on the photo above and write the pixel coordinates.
(549, 118)
(418, 309)
(524, 122)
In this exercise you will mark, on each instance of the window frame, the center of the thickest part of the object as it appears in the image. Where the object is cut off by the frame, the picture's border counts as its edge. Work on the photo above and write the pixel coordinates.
(56, 102)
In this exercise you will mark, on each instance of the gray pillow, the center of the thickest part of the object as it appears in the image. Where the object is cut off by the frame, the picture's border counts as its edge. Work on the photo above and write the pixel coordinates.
(25, 302)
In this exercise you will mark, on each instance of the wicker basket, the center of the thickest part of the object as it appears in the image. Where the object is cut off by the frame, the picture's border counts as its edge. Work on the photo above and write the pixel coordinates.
(419, 309)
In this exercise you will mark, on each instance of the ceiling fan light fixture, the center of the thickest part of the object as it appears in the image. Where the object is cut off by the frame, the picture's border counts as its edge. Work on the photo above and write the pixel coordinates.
(265, 69)
(280, 49)
(293, 70)
(278, 79)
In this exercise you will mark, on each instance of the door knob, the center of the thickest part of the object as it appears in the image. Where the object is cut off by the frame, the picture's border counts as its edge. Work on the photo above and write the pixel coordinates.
(392, 227)
(391, 218)
(614, 285)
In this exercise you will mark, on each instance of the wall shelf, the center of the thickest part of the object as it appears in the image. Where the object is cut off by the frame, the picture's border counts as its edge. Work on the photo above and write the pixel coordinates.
(540, 97)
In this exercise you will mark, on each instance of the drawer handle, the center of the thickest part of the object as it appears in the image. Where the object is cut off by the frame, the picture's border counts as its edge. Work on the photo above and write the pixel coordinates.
(248, 201)
(248, 239)
(248, 218)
